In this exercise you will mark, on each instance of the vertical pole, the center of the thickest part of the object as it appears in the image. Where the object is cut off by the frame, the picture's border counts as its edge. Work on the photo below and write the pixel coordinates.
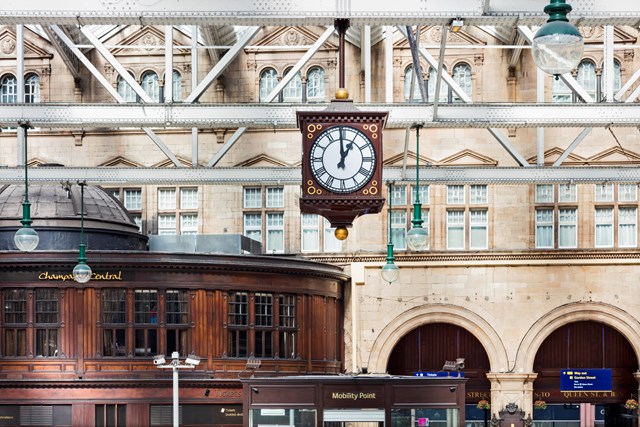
(168, 64)
(176, 408)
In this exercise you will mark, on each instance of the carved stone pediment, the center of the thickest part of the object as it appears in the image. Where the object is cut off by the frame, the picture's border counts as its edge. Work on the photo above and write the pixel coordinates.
(31, 50)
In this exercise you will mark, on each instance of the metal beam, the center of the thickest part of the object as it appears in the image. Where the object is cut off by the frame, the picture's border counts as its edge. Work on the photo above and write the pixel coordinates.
(71, 61)
(359, 12)
(292, 176)
(283, 116)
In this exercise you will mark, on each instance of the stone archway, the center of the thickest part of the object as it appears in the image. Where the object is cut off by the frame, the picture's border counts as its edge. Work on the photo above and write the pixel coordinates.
(607, 314)
(411, 319)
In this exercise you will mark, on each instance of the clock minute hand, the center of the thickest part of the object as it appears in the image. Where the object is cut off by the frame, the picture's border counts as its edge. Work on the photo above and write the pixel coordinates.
(343, 152)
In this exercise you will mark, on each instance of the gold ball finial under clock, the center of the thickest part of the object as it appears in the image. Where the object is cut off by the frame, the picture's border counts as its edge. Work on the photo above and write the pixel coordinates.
(342, 93)
(341, 233)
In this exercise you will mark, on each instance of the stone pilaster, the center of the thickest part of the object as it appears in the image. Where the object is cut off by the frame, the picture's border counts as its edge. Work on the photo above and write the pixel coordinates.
(511, 388)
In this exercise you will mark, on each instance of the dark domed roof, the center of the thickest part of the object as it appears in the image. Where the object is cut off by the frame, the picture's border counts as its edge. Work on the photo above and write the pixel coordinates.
(57, 207)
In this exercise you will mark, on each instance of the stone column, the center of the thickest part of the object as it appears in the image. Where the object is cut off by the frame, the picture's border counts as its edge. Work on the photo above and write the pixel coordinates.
(511, 388)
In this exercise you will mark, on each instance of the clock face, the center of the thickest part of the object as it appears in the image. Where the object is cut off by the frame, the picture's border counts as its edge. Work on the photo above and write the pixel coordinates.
(342, 159)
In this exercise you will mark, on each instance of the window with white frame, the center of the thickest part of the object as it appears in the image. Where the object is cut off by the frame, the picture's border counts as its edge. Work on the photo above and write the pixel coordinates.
(131, 199)
(408, 83)
(455, 229)
(166, 198)
(310, 238)
(31, 88)
(587, 77)
(188, 223)
(275, 232)
(431, 87)
(151, 85)
(567, 193)
(331, 242)
(264, 218)
(604, 192)
(167, 224)
(568, 228)
(8, 89)
(399, 228)
(177, 86)
(627, 192)
(125, 90)
(268, 82)
(544, 193)
(478, 229)
(604, 227)
(455, 195)
(462, 76)
(628, 227)
(188, 198)
(478, 195)
(544, 228)
(315, 84)
(292, 92)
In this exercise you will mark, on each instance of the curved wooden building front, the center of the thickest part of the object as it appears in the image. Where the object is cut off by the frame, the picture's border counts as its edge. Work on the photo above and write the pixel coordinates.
(79, 355)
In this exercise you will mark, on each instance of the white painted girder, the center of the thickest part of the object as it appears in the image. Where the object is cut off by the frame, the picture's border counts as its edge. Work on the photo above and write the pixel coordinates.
(292, 176)
(320, 12)
(283, 116)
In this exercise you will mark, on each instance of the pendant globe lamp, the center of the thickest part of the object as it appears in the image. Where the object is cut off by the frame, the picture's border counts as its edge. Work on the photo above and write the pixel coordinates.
(390, 270)
(82, 272)
(26, 238)
(558, 45)
(417, 237)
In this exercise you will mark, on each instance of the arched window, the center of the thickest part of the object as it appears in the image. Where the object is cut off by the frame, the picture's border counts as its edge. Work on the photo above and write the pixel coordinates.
(587, 77)
(292, 92)
(32, 88)
(315, 84)
(8, 89)
(268, 81)
(617, 77)
(462, 76)
(408, 78)
(431, 87)
(126, 91)
(177, 86)
(561, 93)
(151, 85)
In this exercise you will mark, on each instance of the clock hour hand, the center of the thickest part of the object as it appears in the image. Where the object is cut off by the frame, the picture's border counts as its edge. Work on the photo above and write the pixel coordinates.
(343, 151)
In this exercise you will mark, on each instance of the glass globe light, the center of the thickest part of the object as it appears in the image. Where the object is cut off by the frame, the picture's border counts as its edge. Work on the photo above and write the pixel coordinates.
(418, 239)
(26, 239)
(558, 45)
(390, 272)
(82, 272)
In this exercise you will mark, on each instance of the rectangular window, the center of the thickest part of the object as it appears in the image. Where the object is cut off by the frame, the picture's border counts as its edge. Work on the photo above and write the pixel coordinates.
(287, 326)
(275, 197)
(238, 322)
(331, 243)
(252, 197)
(166, 198)
(188, 198)
(263, 321)
(275, 232)
(423, 191)
(166, 225)
(15, 322)
(544, 193)
(478, 195)
(111, 415)
(310, 240)
(133, 199)
(455, 229)
(604, 227)
(399, 228)
(177, 321)
(544, 228)
(253, 226)
(188, 224)
(568, 228)
(46, 322)
(114, 319)
(628, 227)
(398, 195)
(479, 225)
(455, 195)
(567, 193)
(627, 193)
(604, 192)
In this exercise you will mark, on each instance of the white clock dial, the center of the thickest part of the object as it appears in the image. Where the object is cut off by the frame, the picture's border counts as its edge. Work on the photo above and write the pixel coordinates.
(342, 159)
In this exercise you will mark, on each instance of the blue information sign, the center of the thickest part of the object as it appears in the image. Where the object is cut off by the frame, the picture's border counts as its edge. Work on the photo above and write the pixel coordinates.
(585, 380)
(440, 374)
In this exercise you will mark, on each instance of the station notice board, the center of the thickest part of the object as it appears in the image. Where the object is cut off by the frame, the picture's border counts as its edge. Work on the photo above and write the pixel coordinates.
(585, 380)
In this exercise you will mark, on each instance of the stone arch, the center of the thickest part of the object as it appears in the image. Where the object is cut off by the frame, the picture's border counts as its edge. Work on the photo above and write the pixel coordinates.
(608, 314)
(417, 316)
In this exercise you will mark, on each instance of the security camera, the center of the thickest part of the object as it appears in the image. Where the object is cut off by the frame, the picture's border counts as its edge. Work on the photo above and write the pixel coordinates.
(192, 360)
(460, 363)
(159, 360)
(452, 389)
